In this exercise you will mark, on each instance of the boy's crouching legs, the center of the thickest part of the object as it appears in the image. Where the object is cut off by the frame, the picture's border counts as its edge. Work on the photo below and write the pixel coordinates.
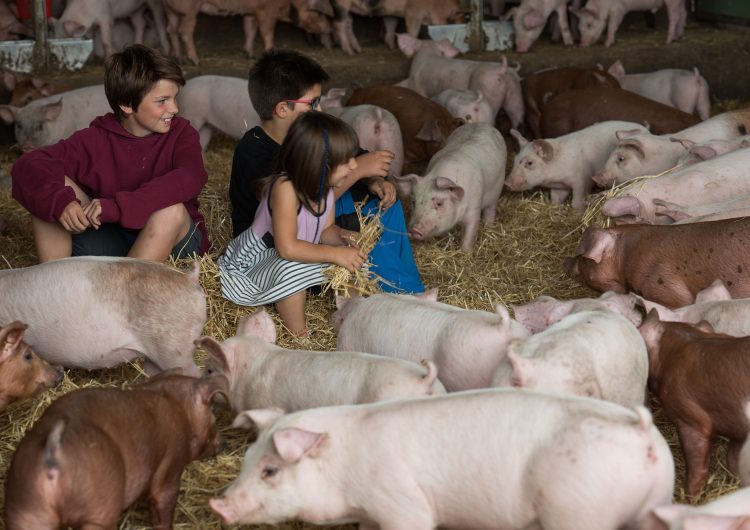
(163, 230)
(52, 240)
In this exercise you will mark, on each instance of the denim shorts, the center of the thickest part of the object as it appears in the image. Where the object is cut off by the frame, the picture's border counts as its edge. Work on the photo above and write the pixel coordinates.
(113, 240)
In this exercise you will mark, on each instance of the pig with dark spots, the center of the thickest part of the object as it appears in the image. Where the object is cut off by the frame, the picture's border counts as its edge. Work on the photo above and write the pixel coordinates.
(702, 380)
(95, 451)
(263, 375)
(22, 373)
(666, 264)
(98, 312)
(485, 459)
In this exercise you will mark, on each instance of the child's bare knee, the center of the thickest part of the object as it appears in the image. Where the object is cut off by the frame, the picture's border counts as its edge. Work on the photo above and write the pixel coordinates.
(174, 215)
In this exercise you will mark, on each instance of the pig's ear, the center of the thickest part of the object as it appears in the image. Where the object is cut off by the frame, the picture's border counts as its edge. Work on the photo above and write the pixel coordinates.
(405, 183)
(635, 145)
(215, 351)
(333, 99)
(716, 292)
(617, 69)
(430, 132)
(533, 19)
(431, 295)
(52, 111)
(544, 149)
(558, 312)
(447, 49)
(621, 135)
(598, 244)
(590, 11)
(519, 138)
(662, 313)
(207, 388)
(261, 418)
(258, 324)
(8, 113)
(509, 14)
(705, 326)
(519, 365)
(457, 192)
(684, 142)
(10, 339)
(407, 44)
(292, 443)
(502, 312)
(341, 302)
(704, 152)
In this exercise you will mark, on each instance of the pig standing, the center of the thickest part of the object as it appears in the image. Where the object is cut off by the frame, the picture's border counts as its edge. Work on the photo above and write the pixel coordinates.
(575, 109)
(530, 17)
(263, 375)
(22, 373)
(81, 15)
(511, 459)
(48, 120)
(648, 154)
(682, 89)
(565, 164)
(100, 312)
(542, 312)
(597, 354)
(666, 264)
(217, 101)
(95, 451)
(415, 13)
(463, 179)
(598, 13)
(434, 69)
(425, 125)
(467, 104)
(124, 35)
(727, 512)
(466, 345)
(702, 380)
(719, 179)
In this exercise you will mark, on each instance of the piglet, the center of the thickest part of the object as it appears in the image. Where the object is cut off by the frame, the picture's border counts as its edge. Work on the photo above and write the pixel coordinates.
(530, 17)
(597, 354)
(506, 458)
(22, 373)
(702, 380)
(95, 451)
(463, 181)
(263, 375)
(466, 345)
(100, 312)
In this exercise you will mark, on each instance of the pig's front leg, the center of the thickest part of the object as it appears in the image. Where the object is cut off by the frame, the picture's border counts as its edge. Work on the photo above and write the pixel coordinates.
(488, 214)
(139, 26)
(187, 30)
(580, 192)
(390, 24)
(558, 196)
(674, 16)
(105, 26)
(615, 19)
(162, 499)
(562, 17)
(267, 27)
(250, 27)
(469, 231)
(696, 446)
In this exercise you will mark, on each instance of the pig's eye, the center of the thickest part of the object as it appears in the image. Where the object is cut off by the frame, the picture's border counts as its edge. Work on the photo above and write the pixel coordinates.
(28, 356)
(620, 159)
(210, 370)
(529, 164)
(269, 471)
(439, 204)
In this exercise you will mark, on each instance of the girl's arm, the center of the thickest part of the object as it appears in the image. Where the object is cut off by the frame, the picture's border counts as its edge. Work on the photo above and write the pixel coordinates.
(284, 207)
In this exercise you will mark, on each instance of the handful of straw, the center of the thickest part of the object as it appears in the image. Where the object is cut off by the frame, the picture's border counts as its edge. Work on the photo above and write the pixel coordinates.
(363, 280)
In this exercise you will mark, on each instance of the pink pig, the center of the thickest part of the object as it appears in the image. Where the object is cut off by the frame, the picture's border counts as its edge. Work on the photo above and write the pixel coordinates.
(470, 105)
(263, 375)
(530, 17)
(484, 459)
(466, 345)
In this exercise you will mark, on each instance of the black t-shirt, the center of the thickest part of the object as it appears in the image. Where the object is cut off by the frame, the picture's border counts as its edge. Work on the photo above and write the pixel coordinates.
(253, 159)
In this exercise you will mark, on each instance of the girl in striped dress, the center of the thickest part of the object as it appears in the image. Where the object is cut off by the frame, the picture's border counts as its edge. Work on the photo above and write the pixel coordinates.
(293, 237)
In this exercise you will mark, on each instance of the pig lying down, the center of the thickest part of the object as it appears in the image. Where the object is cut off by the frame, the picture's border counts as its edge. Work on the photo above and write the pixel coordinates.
(22, 373)
(727, 512)
(95, 451)
(466, 345)
(263, 375)
(98, 312)
(510, 459)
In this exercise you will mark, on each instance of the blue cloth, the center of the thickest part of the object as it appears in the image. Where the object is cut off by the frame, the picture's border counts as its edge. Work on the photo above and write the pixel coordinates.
(392, 258)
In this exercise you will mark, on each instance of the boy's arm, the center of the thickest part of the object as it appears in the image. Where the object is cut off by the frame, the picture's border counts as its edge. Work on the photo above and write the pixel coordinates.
(372, 166)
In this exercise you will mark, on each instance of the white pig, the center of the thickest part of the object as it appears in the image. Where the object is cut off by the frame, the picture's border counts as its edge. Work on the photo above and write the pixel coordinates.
(466, 345)
(714, 304)
(434, 69)
(48, 120)
(530, 17)
(542, 312)
(217, 101)
(682, 89)
(727, 512)
(648, 154)
(598, 13)
(699, 151)
(715, 180)
(463, 180)
(467, 104)
(486, 460)
(263, 375)
(565, 164)
(597, 354)
(98, 312)
(697, 213)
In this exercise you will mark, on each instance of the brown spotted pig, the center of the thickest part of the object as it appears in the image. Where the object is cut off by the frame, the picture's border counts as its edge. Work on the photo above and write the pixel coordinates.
(95, 451)
(702, 380)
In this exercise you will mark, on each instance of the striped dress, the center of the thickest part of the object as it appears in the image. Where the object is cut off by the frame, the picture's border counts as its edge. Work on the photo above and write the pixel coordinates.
(251, 271)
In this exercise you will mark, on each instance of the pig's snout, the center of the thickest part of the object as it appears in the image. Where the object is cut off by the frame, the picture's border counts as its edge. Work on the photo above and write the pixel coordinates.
(222, 507)
(604, 179)
(514, 184)
(416, 233)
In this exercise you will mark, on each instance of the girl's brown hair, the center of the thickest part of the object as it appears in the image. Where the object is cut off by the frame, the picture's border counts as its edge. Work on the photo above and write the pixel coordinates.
(314, 145)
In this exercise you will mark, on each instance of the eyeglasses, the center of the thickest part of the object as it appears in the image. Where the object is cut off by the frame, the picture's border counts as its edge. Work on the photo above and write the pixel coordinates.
(314, 102)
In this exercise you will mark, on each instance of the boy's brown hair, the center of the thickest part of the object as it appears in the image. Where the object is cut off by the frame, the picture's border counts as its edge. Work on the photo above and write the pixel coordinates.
(131, 73)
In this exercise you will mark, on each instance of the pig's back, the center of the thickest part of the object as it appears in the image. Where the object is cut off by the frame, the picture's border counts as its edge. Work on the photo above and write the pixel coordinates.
(725, 126)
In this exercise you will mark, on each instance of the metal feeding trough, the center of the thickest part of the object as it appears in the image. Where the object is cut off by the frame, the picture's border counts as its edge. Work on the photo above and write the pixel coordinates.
(68, 54)
(498, 35)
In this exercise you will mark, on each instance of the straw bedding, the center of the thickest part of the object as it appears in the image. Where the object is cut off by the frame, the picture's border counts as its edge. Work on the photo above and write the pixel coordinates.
(517, 258)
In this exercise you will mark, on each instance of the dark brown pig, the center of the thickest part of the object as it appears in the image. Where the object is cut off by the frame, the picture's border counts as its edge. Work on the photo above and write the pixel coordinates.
(575, 109)
(425, 124)
(95, 451)
(22, 373)
(539, 87)
(668, 264)
(702, 380)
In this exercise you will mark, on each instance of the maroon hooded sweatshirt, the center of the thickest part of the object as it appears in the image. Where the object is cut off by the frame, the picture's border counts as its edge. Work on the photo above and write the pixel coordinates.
(132, 176)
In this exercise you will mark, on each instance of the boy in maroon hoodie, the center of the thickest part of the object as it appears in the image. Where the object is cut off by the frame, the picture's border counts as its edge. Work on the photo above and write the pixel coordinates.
(127, 185)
